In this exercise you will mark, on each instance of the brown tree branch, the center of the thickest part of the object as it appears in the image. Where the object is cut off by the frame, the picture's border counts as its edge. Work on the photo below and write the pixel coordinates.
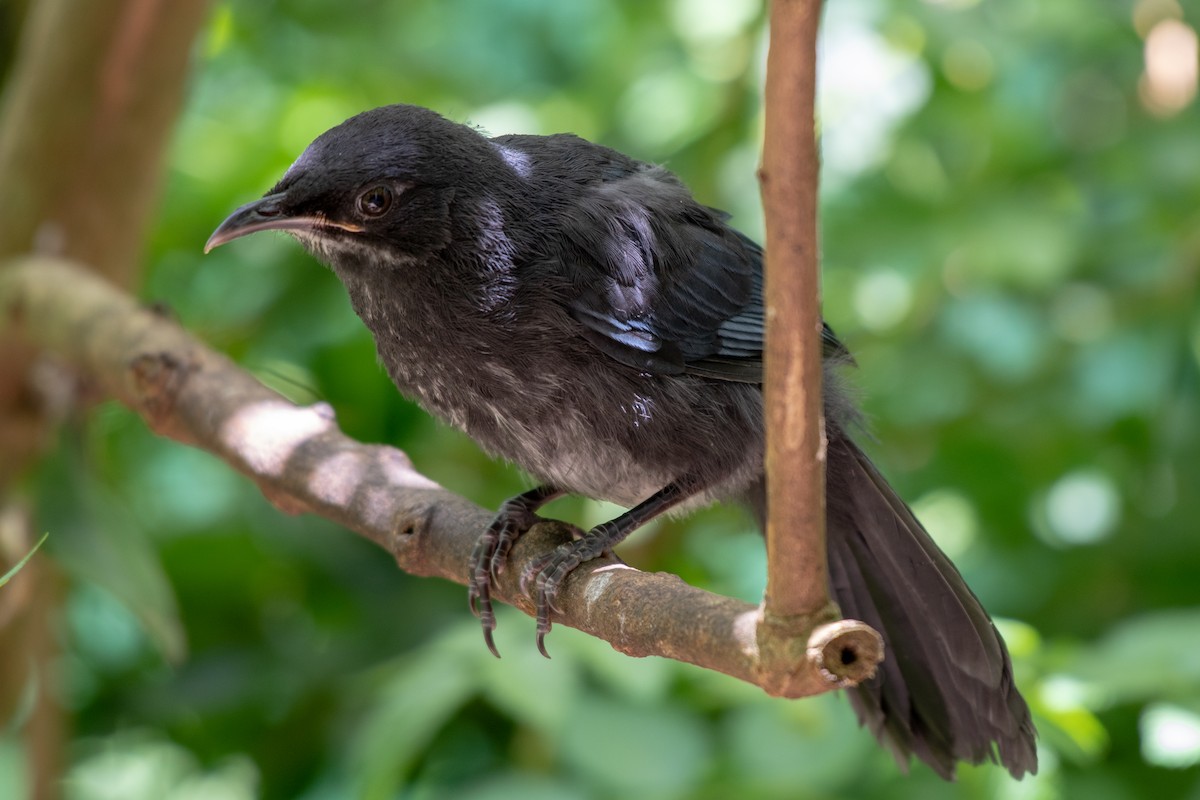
(88, 107)
(303, 463)
(795, 427)
(86, 120)
(797, 596)
(93, 99)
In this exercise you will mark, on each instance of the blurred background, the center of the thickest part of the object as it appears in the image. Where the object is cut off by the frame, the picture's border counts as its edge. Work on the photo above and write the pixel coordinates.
(1011, 240)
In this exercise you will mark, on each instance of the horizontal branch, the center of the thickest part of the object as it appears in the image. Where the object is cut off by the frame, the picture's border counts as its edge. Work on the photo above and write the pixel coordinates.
(302, 462)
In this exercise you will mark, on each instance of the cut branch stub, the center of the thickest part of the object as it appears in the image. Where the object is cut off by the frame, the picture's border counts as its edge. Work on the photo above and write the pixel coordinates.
(810, 654)
(846, 652)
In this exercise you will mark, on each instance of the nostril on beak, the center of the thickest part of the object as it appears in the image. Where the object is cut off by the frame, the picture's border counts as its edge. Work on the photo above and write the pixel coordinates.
(270, 209)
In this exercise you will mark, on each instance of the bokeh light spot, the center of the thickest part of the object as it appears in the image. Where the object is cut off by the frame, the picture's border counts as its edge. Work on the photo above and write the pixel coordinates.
(1081, 508)
(882, 299)
(867, 87)
(308, 117)
(705, 20)
(1172, 65)
(950, 519)
(1170, 736)
(498, 119)
(1082, 312)
(663, 110)
(1002, 334)
(968, 65)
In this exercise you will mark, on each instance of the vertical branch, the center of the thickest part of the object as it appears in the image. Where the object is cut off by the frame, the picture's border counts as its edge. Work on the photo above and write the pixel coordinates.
(89, 106)
(88, 111)
(797, 580)
(92, 101)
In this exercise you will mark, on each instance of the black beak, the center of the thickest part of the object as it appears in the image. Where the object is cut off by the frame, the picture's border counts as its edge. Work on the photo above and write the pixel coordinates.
(268, 214)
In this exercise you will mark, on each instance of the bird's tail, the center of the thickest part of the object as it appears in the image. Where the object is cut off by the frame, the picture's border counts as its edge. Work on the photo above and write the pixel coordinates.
(945, 690)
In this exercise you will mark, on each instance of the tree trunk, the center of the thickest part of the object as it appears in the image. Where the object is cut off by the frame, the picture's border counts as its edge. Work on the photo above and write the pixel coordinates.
(89, 107)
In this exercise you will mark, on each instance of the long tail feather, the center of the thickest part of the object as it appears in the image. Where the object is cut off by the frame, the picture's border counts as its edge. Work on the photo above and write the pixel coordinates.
(945, 691)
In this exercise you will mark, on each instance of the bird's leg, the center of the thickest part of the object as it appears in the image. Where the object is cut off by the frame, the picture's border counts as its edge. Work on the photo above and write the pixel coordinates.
(515, 517)
(547, 573)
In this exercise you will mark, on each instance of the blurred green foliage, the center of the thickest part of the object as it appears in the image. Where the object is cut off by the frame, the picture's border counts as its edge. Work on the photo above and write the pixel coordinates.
(1011, 248)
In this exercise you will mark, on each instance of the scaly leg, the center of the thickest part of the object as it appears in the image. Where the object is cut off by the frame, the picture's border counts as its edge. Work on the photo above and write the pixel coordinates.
(547, 573)
(515, 517)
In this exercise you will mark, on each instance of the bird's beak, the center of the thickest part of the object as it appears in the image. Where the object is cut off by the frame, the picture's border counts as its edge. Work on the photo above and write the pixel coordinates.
(268, 214)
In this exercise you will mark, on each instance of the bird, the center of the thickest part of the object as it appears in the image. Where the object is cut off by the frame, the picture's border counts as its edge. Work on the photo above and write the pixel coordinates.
(579, 313)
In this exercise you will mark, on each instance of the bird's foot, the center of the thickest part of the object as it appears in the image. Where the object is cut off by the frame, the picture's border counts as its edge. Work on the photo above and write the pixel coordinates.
(542, 579)
(490, 556)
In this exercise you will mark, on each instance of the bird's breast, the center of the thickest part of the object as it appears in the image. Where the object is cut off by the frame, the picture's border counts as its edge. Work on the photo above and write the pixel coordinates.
(561, 410)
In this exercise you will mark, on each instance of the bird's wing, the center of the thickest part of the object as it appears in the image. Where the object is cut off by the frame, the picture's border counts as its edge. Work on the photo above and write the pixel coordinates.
(662, 284)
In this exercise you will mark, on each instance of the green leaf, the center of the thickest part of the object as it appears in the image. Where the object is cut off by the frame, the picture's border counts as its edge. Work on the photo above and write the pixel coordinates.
(418, 695)
(104, 536)
(1147, 657)
(525, 686)
(638, 750)
(17, 567)
(812, 743)
(144, 765)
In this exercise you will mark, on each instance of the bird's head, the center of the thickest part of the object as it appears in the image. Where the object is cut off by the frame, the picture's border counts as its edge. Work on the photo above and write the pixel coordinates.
(377, 189)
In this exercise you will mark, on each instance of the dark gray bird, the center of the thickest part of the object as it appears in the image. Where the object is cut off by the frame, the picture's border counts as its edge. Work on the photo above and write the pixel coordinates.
(578, 312)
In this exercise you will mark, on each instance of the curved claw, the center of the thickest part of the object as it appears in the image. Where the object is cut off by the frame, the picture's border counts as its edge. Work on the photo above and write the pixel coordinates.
(479, 596)
(479, 585)
(548, 573)
(487, 637)
(490, 554)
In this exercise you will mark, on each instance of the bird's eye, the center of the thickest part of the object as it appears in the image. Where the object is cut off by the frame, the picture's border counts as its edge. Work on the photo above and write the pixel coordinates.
(375, 202)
